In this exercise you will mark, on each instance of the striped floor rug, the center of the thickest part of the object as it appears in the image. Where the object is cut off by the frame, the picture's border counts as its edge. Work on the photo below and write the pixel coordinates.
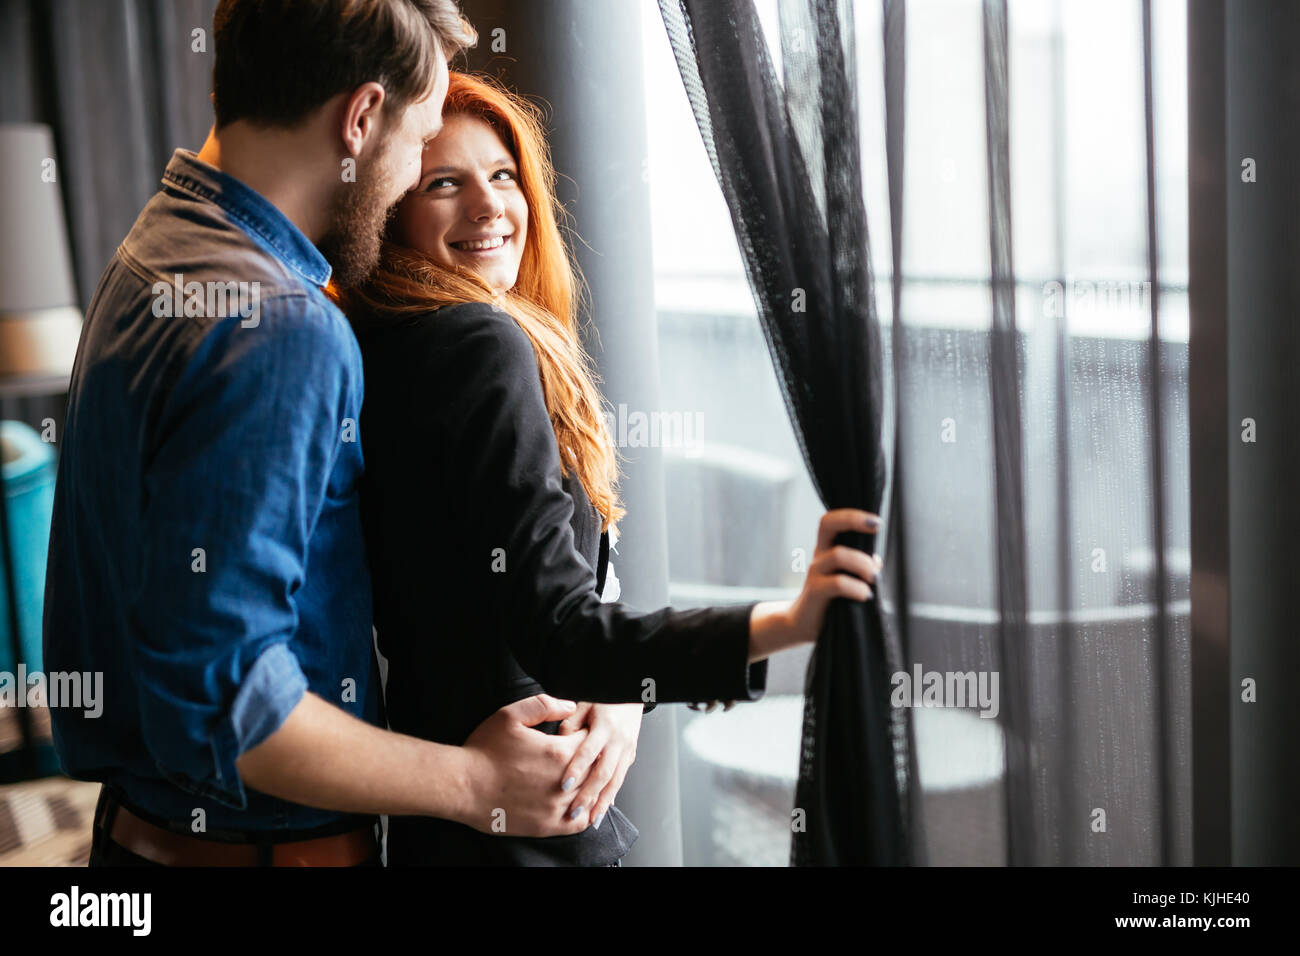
(46, 822)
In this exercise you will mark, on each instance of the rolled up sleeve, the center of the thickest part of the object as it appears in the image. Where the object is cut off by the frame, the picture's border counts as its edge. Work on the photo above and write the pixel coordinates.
(271, 689)
(240, 469)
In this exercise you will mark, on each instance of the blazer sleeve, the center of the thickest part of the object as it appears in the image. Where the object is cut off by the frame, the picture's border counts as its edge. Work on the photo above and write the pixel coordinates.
(501, 468)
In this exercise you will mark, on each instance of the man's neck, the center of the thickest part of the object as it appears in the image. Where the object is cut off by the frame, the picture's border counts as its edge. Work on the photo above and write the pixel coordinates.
(279, 166)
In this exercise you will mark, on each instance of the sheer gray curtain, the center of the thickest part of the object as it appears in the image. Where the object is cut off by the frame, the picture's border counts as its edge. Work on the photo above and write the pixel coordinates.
(1035, 408)
(783, 141)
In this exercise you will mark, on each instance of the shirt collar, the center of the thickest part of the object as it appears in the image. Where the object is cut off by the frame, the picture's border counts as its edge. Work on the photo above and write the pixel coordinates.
(254, 213)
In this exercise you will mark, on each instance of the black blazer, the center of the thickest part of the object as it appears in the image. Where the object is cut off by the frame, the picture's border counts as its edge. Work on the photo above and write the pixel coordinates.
(485, 561)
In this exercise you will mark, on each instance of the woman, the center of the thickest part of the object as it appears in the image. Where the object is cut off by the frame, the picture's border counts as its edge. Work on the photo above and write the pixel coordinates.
(491, 494)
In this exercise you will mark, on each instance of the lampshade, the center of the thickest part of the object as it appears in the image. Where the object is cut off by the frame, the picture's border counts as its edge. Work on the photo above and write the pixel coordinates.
(39, 318)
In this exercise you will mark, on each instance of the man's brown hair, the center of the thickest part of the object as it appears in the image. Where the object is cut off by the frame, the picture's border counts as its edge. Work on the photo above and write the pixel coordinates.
(277, 60)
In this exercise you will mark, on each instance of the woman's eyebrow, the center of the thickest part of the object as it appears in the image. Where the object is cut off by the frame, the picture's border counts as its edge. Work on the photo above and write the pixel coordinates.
(443, 170)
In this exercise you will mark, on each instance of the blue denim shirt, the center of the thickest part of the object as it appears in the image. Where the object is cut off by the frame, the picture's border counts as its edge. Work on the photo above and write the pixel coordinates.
(206, 554)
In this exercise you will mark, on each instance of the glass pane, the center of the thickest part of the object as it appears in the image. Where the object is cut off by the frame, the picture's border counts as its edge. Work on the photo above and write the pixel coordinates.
(741, 506)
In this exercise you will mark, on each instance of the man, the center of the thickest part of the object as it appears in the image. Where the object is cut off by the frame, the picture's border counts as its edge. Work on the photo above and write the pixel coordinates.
(206, 553)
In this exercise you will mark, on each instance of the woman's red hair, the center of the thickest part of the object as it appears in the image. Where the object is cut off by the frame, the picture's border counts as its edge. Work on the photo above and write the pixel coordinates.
(544, 301)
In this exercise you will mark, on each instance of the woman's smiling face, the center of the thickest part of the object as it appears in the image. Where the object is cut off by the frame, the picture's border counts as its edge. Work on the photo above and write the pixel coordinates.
(467, 210)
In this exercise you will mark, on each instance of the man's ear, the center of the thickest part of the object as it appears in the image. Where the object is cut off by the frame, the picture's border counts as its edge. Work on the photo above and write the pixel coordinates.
(362, 117)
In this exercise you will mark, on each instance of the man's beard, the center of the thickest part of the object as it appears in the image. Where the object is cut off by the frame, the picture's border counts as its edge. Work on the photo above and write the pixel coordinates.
(358, 219)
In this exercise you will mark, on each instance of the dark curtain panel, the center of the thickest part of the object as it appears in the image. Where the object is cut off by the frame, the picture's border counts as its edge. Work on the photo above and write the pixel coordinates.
(786, 152)
(122, 83)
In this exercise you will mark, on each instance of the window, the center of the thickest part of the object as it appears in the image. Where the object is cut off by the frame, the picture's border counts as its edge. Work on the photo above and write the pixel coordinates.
(740, 505)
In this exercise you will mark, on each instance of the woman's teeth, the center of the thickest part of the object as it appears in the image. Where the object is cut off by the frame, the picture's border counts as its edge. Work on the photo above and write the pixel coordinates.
(477, 245)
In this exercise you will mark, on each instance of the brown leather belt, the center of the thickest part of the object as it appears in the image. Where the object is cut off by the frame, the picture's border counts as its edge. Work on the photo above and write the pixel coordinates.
(177, 849)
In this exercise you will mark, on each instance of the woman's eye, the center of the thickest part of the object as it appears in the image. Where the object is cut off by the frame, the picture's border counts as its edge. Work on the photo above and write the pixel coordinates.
(508, 174)
(439, 183)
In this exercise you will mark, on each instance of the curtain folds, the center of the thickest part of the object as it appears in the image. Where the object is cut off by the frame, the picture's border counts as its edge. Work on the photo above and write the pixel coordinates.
(786, 153)
(1014, 647)
(122, 84)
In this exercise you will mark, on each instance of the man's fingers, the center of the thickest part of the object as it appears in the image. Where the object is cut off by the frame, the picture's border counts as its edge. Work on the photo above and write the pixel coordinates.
(540, 823)
(539, 709)
(570, 725)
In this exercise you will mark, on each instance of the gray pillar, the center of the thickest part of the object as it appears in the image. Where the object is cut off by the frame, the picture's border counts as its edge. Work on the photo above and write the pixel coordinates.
(1245, 96)
(583, 58)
